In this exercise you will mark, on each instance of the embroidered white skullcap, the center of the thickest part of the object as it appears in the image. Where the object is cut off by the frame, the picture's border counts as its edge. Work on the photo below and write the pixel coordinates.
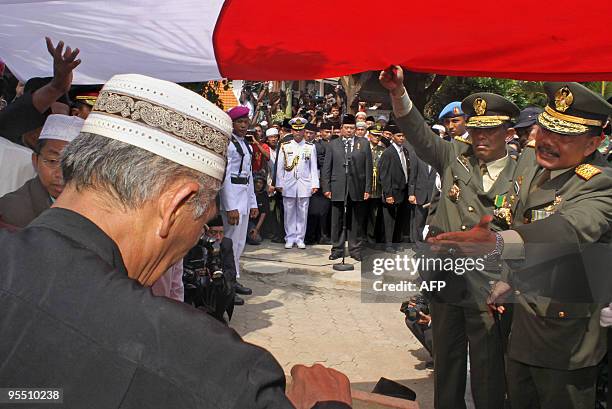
(361, 124)
(61, 127)
(361, 113)
(165, 119)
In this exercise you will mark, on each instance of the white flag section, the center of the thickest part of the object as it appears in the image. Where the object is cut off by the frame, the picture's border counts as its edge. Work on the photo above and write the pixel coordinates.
(170, 40)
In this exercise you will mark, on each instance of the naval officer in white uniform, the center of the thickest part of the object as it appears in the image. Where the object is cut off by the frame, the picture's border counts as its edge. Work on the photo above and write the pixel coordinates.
(237, 195)
(298, 177)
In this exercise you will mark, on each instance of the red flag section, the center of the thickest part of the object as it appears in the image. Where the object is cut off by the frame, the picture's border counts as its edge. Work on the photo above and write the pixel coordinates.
(521, 39)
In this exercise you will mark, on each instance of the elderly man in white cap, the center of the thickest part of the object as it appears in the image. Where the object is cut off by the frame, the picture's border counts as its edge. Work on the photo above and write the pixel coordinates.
(298, 179)
(20, 207)
(77, 313)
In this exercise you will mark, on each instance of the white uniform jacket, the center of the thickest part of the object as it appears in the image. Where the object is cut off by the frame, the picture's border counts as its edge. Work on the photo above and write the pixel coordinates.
(304, 176)
(237, 196)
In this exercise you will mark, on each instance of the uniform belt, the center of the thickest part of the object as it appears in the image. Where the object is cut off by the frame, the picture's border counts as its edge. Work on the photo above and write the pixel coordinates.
(239, 180)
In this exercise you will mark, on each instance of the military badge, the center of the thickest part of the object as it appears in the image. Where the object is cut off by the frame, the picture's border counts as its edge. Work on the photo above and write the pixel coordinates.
(454, 192)
(563, 99)
(586, 171)
(480, 106)
(502, 208)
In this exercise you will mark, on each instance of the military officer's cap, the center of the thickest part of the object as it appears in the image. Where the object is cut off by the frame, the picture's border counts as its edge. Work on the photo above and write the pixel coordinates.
(573, 109)
(488, 110)
(348, 119)
(376, 129)
(298, 123)
(85, 94)
(451, 110)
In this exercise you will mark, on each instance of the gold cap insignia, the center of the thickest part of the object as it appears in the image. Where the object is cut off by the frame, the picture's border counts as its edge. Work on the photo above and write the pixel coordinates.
(456, 111)
(587, 171)
(563, 99)
(480, 106)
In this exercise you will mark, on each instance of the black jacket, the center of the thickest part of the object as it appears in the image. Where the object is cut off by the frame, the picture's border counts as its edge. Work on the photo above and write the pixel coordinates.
(19, 117)
(424, 182)
(360, 170)
(392, 179)
(72, 318)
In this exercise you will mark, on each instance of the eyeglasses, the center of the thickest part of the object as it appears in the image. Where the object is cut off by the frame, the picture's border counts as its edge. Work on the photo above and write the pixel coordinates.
(51, 163)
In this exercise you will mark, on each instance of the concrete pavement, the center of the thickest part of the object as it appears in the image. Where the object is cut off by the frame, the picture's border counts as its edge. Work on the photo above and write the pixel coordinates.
(303, 311)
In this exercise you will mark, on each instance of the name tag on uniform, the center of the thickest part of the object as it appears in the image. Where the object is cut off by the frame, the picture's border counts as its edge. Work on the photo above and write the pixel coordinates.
(540, 214)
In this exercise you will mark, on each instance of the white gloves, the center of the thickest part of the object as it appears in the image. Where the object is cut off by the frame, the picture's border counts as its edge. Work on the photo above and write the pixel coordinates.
(606, 316)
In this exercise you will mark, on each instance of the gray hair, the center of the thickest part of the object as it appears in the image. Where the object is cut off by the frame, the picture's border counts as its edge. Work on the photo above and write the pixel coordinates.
(127, 174)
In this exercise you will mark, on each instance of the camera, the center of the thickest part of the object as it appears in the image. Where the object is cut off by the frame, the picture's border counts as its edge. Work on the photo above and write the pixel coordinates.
(413, 306)
(206, 286)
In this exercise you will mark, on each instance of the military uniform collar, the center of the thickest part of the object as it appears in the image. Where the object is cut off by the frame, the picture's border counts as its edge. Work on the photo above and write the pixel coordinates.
(495, 167)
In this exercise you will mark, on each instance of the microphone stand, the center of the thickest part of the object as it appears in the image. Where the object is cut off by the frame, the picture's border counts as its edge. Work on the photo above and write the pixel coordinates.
(343, 266)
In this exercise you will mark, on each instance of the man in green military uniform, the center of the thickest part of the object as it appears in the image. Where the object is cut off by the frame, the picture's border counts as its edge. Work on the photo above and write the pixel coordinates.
(475, 173)
(373, 228)
(560, 203)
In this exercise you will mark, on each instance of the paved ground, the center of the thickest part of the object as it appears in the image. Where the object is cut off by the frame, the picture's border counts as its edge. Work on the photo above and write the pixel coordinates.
(302, 313)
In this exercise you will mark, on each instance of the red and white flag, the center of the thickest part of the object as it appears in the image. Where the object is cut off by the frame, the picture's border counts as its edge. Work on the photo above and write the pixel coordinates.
(198, 40)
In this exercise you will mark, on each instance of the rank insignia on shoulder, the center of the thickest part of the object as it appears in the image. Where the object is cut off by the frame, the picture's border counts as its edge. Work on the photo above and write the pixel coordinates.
(531, 143)
(586, 171)
(462, 139)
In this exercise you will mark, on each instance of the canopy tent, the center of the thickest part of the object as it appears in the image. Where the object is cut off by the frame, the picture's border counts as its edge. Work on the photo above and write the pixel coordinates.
(198, 40)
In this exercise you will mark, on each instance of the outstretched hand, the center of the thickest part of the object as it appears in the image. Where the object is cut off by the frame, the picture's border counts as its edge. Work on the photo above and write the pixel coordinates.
(64, 62)
(317, 384)
(477, 241)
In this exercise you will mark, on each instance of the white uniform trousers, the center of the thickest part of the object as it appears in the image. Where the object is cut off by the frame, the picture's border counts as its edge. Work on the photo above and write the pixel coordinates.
(296, 213)
(238, 234)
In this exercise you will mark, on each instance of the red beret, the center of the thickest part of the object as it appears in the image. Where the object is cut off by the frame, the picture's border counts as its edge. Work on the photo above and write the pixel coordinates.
(238, 112)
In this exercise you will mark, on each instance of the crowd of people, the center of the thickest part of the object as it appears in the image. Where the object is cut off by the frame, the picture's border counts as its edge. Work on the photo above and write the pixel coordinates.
(111, 187)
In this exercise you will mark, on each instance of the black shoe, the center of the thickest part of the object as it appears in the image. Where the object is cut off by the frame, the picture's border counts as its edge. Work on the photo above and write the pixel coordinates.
(356, 257)
(389, 249)
(238, 300)
(429, 365)
(240, 289)
(335, 256)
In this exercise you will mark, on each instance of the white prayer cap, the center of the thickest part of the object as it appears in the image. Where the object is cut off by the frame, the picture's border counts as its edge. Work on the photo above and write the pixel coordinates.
(272, 131)
(264, 123)
(361, 113)
(361, 124)
(61, 127)
(165, 119)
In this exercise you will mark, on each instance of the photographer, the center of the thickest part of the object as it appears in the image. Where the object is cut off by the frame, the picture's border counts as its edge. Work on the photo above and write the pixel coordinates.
(261, 150)
(418, 321)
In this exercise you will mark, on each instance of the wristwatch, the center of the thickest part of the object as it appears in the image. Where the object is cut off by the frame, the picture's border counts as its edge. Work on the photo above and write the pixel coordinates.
(496, 253)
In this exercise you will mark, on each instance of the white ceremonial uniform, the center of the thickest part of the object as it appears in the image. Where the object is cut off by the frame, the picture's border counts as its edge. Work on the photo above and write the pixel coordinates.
(297, 175)
(237, 193)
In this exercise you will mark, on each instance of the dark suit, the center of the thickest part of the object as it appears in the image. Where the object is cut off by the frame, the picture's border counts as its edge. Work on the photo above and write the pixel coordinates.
(423, 189)
(333, 179)
(394, 184)
(318, 222)
(20, 207)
